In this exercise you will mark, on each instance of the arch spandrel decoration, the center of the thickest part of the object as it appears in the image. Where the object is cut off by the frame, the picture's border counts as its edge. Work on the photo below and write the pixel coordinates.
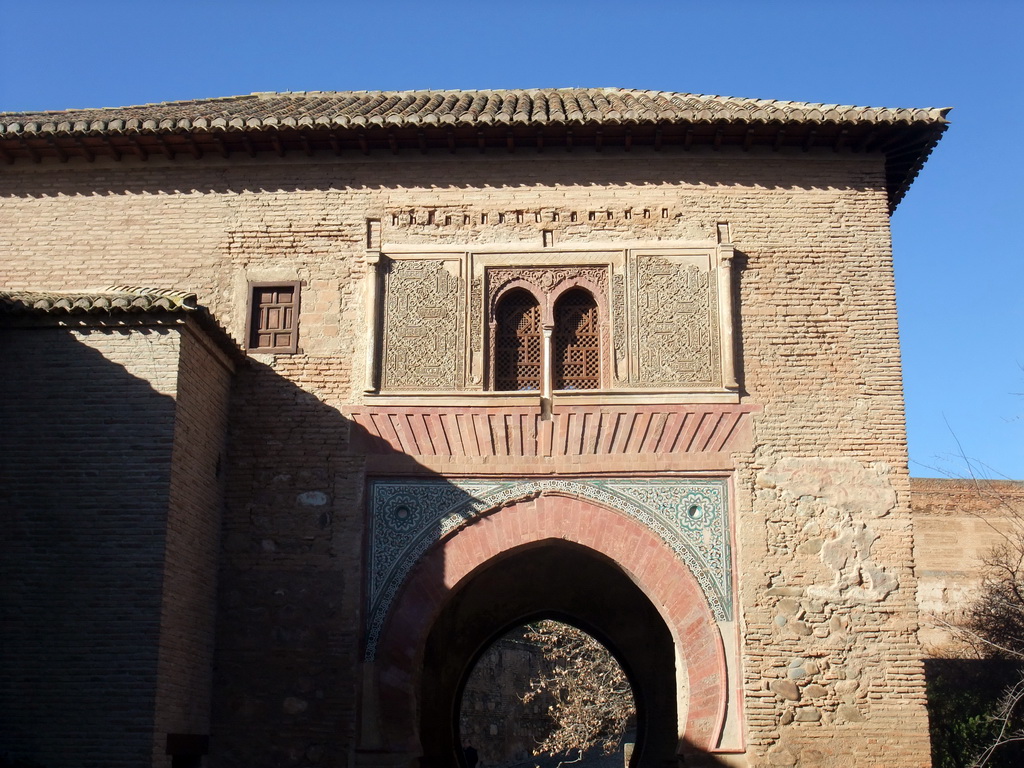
(409, 515)
(548, 281)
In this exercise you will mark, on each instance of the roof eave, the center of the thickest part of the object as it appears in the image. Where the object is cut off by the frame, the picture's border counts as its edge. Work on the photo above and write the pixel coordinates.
(24, 309)
(906, 145)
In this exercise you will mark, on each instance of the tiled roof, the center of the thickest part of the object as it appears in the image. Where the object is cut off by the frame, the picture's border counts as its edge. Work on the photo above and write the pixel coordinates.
(402, 109)
(115, 300)
(344, 123)
(110, 305)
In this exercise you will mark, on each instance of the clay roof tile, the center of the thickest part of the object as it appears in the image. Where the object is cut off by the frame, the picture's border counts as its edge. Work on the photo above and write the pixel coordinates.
(585, 107)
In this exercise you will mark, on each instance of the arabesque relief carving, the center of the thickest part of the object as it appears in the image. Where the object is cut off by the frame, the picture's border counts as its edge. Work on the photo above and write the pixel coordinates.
(409, 515)
(545, 279)
(423, 331)
(476, 324)
(618, 310)
(676, 309)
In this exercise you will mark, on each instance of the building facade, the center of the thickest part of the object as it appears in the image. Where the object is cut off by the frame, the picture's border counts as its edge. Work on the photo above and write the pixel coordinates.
(314, 396)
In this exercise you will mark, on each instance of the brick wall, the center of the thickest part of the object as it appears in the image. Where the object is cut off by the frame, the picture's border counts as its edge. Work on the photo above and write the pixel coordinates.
(827, 586)
(957, 523)
(111, 481)
(87, 420)
(192, 542)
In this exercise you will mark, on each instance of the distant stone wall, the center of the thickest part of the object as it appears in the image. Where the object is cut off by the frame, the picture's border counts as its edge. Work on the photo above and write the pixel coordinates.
(957, 523)
(494, 721)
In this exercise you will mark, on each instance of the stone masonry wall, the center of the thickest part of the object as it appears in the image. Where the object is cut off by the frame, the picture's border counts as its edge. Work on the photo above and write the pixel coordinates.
(824, 541)
(493, 717)
(87, 419)
(287, 624)
(957, 523)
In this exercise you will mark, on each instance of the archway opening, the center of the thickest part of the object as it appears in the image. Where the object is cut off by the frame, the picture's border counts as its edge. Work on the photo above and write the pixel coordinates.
(547, 693)
(550, 579)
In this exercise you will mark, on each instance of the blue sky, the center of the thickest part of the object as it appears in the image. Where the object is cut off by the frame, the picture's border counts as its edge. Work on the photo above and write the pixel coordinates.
(956, 236)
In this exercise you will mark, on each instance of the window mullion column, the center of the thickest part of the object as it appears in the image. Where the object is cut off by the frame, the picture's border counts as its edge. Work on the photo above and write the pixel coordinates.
(547, 364)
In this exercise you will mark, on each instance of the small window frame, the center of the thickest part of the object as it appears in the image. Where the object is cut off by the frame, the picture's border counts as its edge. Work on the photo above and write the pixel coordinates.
(251, 328)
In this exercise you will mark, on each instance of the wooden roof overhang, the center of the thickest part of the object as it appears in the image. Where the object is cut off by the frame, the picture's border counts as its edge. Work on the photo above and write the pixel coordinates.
(905, 144)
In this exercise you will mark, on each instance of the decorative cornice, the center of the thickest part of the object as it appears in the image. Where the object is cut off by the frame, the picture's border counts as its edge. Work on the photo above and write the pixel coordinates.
(520, 432)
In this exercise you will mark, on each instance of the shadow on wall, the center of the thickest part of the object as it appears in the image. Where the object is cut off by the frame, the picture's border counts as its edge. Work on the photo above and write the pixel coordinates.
(295, 598)
(84, 480)
(85, 465)
(289, 610)
(468, 170)
(308, 580)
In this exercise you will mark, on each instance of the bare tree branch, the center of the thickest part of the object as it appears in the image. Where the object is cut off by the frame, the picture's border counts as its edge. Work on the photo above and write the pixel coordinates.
(588, 697)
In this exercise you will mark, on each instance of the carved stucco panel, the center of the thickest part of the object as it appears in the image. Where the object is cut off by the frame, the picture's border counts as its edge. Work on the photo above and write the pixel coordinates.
(423, 327)
(476, 322)
(676, 314)
(618, 311)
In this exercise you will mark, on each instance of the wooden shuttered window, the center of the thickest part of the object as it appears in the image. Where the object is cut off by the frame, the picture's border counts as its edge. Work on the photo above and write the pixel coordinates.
(577, 342)
(517, 349)
(273, 317)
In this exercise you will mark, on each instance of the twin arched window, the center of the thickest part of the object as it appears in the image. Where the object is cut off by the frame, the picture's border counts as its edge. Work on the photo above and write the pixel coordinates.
(519, 343)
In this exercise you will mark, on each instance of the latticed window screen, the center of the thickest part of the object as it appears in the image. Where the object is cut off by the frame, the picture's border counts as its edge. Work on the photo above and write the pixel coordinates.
(272, 324)
(517, 347)
(577, 342)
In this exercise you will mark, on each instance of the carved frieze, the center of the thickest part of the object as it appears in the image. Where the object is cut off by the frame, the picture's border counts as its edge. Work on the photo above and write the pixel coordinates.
(423, 328)
(618, 310)
(676, 318)
(545, 279)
